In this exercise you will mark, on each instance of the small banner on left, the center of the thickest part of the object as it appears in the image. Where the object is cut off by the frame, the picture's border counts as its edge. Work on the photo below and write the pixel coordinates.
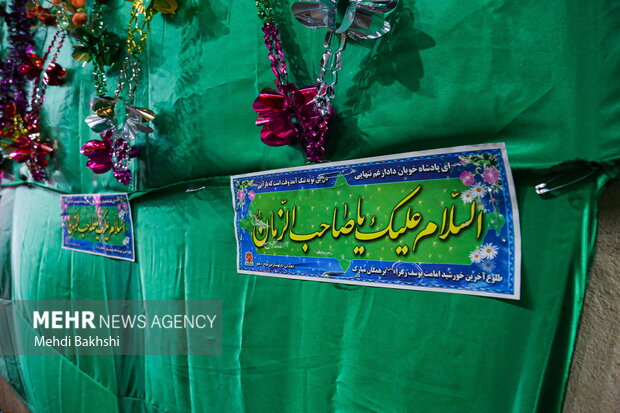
(98, 224)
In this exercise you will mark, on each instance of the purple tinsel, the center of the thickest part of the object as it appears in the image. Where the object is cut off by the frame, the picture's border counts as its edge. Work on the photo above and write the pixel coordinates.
(276, 54)
(311, 130)
(13, 83)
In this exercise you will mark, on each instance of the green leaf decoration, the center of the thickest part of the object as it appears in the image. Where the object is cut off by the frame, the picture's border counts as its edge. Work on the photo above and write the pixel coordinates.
(81, 53)
(165, 6)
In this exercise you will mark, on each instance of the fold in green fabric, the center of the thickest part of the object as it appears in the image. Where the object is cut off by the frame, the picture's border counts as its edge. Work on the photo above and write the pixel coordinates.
(306, 346)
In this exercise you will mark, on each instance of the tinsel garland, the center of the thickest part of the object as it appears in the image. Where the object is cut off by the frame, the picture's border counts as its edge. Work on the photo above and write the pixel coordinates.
(13, 83)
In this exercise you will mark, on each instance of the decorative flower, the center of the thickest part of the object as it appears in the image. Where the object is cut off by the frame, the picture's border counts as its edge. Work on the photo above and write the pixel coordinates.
(363, 19)
(488, 251)
(32, 66)
(490, 175)
(126, 241)
(12, 125)
(103, 48)
(251, 195)
(478, 190)
(32, 150)
(475, 256)
(467, 178)
(128, 119)
(277, 112)
(487, 266)
(109, 153)
(467, 197)
(99, 153)
(240, 195)
(54, 75)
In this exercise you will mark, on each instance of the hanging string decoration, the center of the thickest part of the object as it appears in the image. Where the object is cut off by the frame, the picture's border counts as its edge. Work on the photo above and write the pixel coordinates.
(115, 117)
(288, 115)
(20, 121)
(95, 44)
(292, 116)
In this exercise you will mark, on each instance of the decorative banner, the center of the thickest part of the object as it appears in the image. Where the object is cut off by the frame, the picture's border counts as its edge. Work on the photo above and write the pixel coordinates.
(442, 220)
(98, 224)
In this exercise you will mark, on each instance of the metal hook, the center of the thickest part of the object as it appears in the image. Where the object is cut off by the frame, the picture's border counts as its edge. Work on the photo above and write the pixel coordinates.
(568, 178)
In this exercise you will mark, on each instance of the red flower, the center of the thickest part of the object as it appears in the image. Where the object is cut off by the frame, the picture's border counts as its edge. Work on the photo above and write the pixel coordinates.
(282, 114)
(32, 151)
(54, 75)
(33, 66)
(99, 153)
(27, 149)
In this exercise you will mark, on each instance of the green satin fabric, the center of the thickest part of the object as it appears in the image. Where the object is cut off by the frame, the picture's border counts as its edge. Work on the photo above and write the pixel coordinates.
(540, 77)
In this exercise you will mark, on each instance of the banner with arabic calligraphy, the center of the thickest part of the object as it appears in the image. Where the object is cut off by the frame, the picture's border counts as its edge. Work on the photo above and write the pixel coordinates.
(98, 224)
(443, 220)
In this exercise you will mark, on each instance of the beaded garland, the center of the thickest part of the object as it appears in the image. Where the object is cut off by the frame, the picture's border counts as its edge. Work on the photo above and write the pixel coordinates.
(288, 115)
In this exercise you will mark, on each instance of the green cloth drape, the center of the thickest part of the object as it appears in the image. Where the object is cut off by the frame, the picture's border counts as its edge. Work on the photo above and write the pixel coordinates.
(540, 76)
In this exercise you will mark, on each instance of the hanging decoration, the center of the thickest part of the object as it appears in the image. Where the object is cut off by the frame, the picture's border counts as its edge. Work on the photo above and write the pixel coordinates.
(94, 42)
(66, 14)
(115, 118)
(20, 119)
(13, 93)
(289, 115)
(97, 45)
(32, 68)
(31, 147)
(362, 19)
